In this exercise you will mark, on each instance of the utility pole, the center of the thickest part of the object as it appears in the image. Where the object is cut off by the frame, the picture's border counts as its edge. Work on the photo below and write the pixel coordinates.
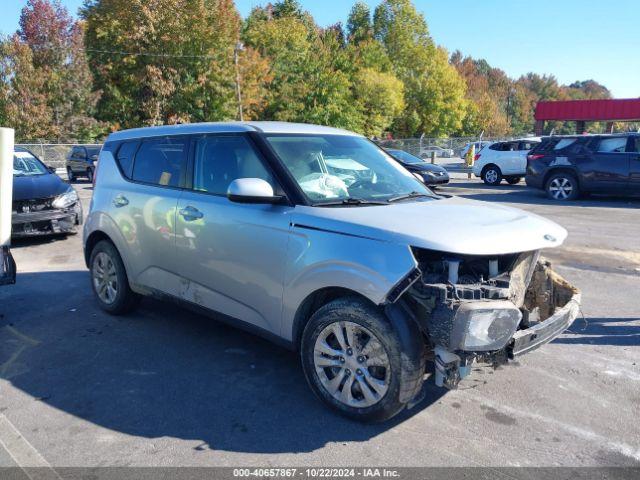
(236, 51)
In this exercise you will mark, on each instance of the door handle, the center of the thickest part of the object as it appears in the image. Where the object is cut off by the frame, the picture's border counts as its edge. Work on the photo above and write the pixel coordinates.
(120, 201)
(191, 213)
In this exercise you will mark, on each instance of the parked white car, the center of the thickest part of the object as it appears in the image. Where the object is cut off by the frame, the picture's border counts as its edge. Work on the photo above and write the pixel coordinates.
(425, 152)
(478, 146)
(506, 160)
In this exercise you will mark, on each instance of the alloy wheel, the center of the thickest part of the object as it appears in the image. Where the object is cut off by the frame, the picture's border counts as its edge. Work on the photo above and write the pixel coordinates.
(105, 280)
(352, 364)
(491, 176)
(561, 188)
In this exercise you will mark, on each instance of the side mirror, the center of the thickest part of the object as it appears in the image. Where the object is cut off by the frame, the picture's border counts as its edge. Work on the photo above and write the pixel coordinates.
(251, 190)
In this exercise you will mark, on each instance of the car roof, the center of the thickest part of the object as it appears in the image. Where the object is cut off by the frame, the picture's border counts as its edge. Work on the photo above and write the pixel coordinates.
(228, 127)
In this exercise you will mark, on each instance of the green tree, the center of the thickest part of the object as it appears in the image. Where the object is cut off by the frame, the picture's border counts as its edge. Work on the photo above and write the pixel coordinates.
(434, 92)
(359, 26)
(46, 81)
(310, 81)
(163, 61)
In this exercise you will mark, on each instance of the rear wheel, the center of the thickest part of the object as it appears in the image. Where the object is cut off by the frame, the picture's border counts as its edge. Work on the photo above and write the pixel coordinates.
(109, 280)
(513, 180)
(70, 175)
(562, 186)
(353, 361)
(491, 175)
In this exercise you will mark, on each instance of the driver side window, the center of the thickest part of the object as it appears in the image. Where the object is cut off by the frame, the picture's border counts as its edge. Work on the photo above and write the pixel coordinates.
(219, 160)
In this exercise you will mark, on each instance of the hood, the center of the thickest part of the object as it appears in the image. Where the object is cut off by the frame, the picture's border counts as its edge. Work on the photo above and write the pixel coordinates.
(38, 186)
(454, 225)
(424, 167)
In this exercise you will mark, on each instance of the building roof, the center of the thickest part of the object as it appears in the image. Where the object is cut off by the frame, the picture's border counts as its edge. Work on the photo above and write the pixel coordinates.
(227, 127)
(627, 109)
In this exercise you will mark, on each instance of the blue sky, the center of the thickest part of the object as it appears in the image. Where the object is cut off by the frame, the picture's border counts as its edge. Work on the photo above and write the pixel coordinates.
(572, 39)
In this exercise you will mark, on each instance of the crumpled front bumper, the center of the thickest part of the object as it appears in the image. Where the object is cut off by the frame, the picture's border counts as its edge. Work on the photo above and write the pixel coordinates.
(560, 292)
(46, 222)
(541, 309)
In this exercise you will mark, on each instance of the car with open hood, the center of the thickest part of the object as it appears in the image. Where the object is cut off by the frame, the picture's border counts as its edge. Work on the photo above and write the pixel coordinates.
(316, 238)
(43, 204)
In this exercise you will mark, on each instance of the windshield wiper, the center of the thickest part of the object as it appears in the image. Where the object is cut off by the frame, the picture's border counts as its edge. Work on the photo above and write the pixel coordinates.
(349, 201)
(409, 195)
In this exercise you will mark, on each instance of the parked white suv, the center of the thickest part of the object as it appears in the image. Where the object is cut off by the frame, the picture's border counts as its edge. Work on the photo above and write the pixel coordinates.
(316, 238)
(506, 160)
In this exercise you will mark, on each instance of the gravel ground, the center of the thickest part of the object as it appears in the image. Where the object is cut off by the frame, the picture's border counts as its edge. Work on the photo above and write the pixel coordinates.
(167, 387)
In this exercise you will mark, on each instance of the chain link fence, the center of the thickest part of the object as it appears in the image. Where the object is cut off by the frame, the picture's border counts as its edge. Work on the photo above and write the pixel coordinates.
(53, 154)
(451, 147)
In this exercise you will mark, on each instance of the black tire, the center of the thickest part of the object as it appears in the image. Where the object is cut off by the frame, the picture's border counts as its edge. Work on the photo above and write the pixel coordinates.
(491, 175)
(70, 175)
(90, 175)
(513, 180)
(125, 299)
(405, 375)
(562, 186)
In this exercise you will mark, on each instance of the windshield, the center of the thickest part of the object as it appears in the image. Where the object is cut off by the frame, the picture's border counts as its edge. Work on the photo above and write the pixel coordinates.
(405, 157)
(334, 168)
(25, 164)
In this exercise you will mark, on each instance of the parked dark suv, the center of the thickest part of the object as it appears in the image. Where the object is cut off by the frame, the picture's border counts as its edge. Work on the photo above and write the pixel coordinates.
(80, 162)
(566, 166)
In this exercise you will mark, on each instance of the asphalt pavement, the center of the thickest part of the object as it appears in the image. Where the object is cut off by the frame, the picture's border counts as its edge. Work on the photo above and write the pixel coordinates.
(167, 387)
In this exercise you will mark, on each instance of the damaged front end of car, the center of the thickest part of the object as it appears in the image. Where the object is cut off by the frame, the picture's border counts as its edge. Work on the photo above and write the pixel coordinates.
(484, 309)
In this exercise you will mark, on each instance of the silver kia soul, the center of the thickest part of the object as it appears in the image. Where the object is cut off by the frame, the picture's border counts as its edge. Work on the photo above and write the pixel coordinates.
(316, 238)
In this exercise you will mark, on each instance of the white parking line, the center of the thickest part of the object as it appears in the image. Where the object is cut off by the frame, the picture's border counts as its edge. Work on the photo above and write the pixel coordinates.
(24, 454)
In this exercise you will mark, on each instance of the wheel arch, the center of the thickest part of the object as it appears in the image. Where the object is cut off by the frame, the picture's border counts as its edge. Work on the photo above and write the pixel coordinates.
(92, 240)
(565, 169)
(313, 302)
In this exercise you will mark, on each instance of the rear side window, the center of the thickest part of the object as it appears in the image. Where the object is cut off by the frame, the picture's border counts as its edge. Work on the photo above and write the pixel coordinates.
(497, 146)
(527, 145)
(634, 144)
(612, 145)
(125, 155)
(159, 161)
(564, 143)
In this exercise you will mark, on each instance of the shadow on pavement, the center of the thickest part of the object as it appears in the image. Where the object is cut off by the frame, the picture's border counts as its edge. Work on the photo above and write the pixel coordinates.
(603, 331)
(525, 195)
(164, 371)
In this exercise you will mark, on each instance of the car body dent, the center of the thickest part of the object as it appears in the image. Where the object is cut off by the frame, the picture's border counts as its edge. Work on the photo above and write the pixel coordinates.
(319, 258)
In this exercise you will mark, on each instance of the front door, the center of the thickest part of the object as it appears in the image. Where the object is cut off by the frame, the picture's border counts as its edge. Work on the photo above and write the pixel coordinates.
(633, 148)
(232, 256)
(606, 166)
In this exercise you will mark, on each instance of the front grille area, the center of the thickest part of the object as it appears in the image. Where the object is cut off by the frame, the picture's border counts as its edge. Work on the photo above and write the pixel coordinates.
(35, 205)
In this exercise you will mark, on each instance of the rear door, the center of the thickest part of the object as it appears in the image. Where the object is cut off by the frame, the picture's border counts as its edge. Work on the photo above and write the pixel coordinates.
(606, 165)
(75, 161)
(524, 147)
(144, 208)
(633, 148)
(509, 159)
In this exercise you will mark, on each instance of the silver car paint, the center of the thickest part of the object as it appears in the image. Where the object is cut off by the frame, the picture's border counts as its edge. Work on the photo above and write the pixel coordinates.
(258, 263)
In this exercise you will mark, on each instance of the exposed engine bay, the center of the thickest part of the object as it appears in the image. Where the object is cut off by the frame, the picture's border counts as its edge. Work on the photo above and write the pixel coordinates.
(486, 309)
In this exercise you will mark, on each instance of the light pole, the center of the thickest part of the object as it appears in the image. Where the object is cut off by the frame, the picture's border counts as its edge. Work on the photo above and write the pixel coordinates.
(236, 51)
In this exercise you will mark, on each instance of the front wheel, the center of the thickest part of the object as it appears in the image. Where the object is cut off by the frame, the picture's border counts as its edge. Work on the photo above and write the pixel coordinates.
(492, 175)
(70, 175)
(353, 361)
(562, 186)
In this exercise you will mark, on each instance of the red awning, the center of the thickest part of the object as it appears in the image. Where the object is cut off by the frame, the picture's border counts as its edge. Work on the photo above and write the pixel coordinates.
(627, 109)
